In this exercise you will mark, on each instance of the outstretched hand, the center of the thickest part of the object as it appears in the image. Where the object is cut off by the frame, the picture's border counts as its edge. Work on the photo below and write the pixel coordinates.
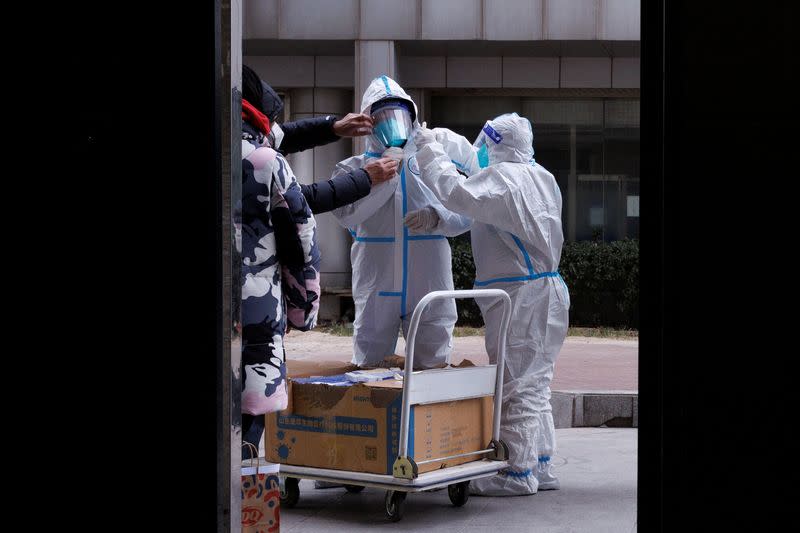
(353, 125)
(381, 170)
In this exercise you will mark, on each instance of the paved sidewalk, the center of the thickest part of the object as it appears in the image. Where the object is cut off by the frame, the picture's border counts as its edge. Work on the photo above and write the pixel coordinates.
(596, 467)
(585, 363)
(595, 382)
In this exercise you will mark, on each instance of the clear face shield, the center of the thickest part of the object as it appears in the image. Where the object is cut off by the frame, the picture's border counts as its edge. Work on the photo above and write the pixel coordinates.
(481, 144)
(392, 124)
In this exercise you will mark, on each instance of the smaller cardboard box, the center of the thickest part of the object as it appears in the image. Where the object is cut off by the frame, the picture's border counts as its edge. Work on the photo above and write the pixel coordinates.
(357, 428)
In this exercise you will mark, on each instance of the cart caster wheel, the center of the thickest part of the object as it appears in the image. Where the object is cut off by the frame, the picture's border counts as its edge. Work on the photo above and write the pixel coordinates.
(395, 502)
(355, 489)
(290, 492)
(459, 493)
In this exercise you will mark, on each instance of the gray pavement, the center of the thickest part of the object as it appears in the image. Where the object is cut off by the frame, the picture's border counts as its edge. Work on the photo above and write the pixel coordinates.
(596, 466)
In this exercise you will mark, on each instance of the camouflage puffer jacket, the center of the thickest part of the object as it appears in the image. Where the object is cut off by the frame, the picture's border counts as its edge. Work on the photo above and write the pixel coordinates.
(280, 271)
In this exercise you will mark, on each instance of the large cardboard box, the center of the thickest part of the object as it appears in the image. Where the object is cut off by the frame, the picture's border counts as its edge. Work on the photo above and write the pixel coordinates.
(357, 428)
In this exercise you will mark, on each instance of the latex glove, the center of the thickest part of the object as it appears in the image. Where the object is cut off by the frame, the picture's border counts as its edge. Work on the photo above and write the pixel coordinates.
(353, 125)
(423, 220)
(424, 136)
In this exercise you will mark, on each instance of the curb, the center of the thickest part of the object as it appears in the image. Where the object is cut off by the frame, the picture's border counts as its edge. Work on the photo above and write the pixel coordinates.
(610, 408)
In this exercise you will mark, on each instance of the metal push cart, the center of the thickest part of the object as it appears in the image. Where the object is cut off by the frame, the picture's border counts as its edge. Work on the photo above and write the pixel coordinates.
(421, 387)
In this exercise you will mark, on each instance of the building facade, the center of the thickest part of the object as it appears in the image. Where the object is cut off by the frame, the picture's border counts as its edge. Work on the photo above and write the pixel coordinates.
(570, 66)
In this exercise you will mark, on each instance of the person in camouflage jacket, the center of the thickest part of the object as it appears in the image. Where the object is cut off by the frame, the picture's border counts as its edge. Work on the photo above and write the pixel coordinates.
(279, 269)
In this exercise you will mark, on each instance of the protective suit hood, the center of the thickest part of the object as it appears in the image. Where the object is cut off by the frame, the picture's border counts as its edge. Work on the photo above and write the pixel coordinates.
(508, 138)
(380, 88)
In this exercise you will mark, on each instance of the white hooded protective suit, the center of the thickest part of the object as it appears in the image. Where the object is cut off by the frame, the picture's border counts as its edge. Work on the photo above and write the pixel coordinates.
(393, 267)
(515, 205)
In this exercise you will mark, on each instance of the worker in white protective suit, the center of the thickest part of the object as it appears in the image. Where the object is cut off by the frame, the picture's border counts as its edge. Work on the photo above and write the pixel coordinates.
(515, 205)
(394, 266)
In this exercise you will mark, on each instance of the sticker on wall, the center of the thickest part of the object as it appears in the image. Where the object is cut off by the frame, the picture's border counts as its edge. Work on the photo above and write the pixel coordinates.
(633, 206)
(595, 216)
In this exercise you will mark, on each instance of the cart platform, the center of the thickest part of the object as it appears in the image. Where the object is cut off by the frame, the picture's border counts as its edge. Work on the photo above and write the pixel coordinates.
(427, 481)
(420, 387)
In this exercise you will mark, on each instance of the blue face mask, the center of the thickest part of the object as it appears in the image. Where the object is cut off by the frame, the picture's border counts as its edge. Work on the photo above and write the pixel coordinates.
(483, 156)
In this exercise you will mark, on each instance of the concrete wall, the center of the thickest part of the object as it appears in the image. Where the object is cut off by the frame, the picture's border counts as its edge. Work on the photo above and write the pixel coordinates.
(501, 20)
(378, 57)
(317, 165)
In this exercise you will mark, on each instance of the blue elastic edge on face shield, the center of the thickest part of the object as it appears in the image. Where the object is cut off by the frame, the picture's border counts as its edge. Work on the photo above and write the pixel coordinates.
(394, 102)
(492, 134)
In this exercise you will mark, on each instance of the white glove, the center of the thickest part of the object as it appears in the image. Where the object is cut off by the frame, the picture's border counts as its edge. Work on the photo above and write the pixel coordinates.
(423, 220)
(424, 136)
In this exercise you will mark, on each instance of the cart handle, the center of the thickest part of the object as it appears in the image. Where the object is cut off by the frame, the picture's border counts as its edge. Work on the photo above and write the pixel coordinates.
(501, 355)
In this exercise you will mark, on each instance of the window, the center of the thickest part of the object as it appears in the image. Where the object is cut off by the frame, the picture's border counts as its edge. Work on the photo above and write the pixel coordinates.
(591, 146)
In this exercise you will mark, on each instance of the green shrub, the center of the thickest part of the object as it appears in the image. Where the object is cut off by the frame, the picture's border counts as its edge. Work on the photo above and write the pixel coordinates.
(463, 277)
(603, 282)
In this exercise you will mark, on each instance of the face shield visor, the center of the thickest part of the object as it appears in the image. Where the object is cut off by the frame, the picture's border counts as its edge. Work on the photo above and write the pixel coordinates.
(481, 144)
(391, 123)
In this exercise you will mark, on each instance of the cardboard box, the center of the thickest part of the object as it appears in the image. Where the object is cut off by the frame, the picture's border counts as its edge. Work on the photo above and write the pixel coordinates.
(357, 428)
(305, 368)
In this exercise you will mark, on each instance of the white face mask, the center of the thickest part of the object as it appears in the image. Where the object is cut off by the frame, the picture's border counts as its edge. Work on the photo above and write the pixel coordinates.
(394, 152)
(275, 136)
